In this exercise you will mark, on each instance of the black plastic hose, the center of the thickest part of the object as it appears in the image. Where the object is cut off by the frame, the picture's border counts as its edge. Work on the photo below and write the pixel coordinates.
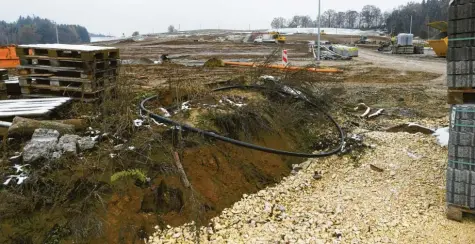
(245, 144)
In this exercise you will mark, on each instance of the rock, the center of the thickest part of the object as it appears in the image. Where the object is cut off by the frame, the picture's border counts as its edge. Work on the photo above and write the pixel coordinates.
(86, 143)
(67, 144)
(317, 175)
(337, 233)
(218, 226)
(42, 145)
(56, 155)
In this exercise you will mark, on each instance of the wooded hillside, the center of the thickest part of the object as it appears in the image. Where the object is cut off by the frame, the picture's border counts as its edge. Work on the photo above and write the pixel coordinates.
(371, 17)
(29, 30)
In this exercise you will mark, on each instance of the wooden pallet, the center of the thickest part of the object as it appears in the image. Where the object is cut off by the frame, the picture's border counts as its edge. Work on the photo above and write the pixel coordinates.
(75, 95)
(403, 50)
(455, 212)
(68, 52)
(70, 72)
(461, 96)
(59, 83)
(78, 64)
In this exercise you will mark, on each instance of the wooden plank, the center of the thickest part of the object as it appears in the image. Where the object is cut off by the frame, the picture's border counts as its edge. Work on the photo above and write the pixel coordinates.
(40, 75)
(51, 68)
(30, 88)
(461, 96)
(85, 53)
(455, 212)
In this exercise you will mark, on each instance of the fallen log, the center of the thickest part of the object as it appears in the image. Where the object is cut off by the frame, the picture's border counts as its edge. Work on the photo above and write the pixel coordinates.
(26, 127)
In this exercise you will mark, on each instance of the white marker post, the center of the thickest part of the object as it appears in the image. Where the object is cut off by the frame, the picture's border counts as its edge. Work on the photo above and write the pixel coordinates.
(285, 59)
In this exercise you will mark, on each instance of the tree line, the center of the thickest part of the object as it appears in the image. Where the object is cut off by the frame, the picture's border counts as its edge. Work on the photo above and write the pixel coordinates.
(31, 30)
(371, 17)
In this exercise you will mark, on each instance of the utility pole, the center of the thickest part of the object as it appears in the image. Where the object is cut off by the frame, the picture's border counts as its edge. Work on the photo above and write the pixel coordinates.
(57, 35)
(410, 28)
(318, 34)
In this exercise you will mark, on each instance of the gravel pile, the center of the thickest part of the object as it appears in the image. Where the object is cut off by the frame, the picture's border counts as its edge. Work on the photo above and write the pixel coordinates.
(393, 193)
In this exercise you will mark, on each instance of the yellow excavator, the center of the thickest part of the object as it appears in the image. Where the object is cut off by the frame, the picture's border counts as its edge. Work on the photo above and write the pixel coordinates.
(278, 37)
(440, 43)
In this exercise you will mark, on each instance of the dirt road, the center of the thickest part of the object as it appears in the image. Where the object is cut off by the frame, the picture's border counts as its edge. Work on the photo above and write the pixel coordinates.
(403, 63)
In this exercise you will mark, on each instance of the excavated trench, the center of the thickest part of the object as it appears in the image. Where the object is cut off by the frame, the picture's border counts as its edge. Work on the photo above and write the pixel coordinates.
(77, 202)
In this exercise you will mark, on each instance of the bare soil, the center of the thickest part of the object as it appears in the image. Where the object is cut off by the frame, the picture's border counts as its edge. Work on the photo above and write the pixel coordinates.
(407, 88)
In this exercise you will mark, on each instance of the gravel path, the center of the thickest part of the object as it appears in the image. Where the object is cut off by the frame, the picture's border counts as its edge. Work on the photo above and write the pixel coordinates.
(352, 203)
(404, 62)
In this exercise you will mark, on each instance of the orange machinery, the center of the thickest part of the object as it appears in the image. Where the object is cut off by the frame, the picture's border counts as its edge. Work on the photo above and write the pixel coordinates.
(8, 57)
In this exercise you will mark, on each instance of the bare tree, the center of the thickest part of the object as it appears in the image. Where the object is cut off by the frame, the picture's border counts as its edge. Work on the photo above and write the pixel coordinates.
(351, 18)
(329, 17)
(171, 29)
(340, 19)
(278, 22)
(306, 21)
(371, 16)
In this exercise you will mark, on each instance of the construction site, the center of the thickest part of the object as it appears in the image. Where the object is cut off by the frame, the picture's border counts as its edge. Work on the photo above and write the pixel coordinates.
(229, 137)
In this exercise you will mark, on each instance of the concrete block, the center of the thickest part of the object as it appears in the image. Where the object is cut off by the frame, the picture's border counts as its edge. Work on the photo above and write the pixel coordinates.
(460, 200)
(463, 81)
(468, 121)
(450, 68)
(462, 67)
(451, 81)
(449, 197)
(453, 13)
(459, 54)
(461, 176)
(460, 188)
(462, 138)
(461, 26)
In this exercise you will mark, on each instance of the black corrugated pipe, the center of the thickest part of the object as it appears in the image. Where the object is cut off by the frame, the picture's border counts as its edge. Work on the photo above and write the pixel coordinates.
(245, 144)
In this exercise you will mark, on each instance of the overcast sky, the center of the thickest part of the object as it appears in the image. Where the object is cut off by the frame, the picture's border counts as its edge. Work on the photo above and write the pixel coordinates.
(125, 16)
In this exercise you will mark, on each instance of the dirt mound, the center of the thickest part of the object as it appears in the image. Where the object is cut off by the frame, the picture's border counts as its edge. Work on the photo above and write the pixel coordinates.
(126, 41)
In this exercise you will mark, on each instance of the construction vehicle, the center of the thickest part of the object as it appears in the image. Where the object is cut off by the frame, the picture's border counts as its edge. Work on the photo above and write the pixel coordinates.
(8, 57)
(440, 42)
(364, 40)
(270, 37)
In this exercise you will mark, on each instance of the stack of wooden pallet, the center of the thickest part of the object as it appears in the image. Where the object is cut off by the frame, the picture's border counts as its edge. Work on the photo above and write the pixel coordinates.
(75, 71)
(3, 78)
(461, 94)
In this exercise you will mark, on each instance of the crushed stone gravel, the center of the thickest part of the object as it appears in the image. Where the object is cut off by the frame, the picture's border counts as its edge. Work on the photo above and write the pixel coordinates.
(341, 199)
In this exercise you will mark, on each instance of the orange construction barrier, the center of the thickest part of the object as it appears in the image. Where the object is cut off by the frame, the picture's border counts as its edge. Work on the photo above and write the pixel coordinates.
(318, 70)
(8, 57)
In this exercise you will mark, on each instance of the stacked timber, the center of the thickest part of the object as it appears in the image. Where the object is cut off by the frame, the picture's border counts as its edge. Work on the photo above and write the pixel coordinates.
(76, 71)
(460, 194)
